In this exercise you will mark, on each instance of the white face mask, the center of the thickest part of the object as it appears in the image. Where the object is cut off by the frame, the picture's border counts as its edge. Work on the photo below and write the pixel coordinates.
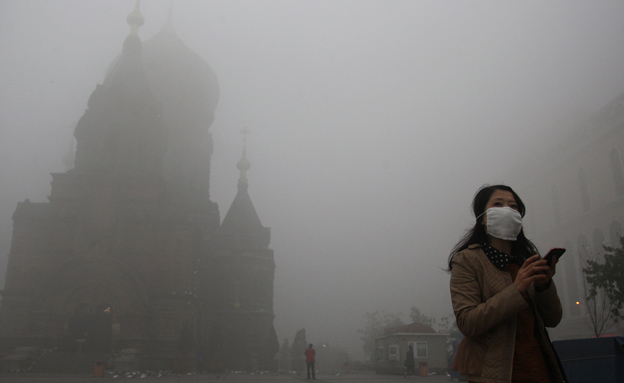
(503, 222)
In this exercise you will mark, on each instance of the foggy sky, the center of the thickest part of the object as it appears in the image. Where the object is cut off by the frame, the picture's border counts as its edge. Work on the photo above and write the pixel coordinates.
(372, 124)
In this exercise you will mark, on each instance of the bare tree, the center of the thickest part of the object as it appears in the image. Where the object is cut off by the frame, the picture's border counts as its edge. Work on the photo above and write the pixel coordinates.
(597, 302)
(599, 308)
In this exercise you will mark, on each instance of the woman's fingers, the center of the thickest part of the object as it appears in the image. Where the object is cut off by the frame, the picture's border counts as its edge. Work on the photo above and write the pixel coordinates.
(534, 269)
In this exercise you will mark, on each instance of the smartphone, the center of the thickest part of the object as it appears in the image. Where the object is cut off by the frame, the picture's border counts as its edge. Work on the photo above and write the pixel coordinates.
(554, 252)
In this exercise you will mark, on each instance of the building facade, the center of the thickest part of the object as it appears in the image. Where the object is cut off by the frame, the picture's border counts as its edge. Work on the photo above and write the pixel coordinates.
(575, 199)
(430, 353)
(129, 251)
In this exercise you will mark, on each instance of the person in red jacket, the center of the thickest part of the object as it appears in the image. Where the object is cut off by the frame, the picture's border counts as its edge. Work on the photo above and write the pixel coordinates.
(309, 355)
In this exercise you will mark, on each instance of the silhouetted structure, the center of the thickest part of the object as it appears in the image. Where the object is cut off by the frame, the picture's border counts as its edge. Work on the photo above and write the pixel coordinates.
(129, 252)
(577, 202)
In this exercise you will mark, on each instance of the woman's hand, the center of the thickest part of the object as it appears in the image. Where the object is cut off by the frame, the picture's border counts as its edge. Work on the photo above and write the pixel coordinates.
(534, 269)
(552, 269)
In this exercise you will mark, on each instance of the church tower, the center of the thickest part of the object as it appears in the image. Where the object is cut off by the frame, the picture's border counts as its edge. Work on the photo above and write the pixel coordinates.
(129, 251)
(240, 283)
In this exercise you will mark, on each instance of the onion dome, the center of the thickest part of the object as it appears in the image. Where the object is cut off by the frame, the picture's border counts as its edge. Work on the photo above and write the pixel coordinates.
(188, 90)
(122, 130)
(180, 78)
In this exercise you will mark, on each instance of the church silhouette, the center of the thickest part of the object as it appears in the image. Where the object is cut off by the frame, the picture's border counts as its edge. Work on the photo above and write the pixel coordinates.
(128, 262)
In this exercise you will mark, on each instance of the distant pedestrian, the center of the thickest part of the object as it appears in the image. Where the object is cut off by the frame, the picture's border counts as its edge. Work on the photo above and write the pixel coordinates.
(310, 359)
(409, 361)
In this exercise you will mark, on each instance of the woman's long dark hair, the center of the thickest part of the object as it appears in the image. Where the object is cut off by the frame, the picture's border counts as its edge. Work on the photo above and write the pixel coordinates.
(477, 233)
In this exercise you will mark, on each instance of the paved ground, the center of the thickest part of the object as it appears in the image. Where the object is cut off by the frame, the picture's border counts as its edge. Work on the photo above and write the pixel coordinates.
(352, 377)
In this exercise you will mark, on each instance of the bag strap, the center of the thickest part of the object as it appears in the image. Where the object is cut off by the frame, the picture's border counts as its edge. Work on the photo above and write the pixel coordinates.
(559, 364)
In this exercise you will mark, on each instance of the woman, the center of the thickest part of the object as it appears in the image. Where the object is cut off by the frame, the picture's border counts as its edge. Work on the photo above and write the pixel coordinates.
(503, 296)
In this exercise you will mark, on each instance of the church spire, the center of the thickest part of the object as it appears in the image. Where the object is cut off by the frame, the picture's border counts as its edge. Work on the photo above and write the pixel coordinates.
(169, 23)
(243, 165)
(241, 223)
(135, 19)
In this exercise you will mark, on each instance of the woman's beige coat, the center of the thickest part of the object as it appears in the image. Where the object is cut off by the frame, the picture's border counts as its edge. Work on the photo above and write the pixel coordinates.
(485, 302)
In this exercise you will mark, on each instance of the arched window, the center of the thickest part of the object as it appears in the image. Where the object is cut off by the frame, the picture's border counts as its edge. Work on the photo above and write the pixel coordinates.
(616, 170)
(585, 203)
(556, 205)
